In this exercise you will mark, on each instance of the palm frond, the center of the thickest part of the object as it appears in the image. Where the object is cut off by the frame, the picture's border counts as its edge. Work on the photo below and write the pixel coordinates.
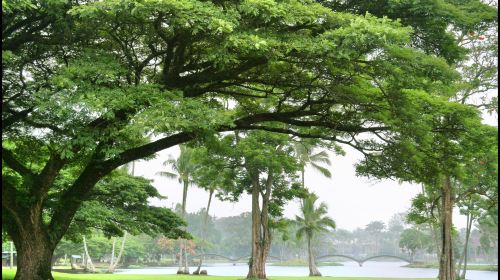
(322, 170)
(300, 233)
(166, 174)
(321, 157)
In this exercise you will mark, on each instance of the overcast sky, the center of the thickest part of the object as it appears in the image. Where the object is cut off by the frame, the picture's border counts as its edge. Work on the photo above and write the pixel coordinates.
(352, 201)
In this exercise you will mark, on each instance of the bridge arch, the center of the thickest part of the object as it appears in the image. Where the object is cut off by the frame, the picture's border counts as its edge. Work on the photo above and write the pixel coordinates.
(213, 255)
(340, 256)
(248, 256)
(387, 256)
(228, 258)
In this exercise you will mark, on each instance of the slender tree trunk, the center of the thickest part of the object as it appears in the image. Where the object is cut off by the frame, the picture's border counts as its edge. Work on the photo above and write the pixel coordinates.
(112, 255)
(205, 222)
(467, 237)
(115, 264)
(313, 270)
(184, 198)
(89, 260)
(459, 267)
(11, 260)
(446, 263)
(186, 265)
(302, 171)
(208, 207)
(180, 271)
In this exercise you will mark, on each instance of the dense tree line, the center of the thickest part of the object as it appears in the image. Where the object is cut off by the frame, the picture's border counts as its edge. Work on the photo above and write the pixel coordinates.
(230, 236)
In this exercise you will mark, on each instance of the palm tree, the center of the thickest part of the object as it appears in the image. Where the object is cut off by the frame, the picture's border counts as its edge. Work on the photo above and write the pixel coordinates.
(313, 220)
(304, 151)
(184, 167)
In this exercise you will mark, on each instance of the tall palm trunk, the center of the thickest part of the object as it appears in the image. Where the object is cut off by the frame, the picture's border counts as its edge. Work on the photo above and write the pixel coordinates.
(313, 270)
(446, 262)
(205, 222)
(183, 264)
(181, 259)
(89, 266)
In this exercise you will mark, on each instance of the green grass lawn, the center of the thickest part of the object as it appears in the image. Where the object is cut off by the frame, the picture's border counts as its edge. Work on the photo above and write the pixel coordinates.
(8, 274)
(486, 267)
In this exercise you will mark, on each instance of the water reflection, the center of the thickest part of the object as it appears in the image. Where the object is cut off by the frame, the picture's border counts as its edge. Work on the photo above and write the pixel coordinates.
(350, 269)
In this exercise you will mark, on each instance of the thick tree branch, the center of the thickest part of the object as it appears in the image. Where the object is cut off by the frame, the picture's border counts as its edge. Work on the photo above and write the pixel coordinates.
(96, 169)
(11, 161)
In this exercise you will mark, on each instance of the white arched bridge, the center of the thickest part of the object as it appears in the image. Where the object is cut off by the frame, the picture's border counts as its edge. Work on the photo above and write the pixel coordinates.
(230, 259)
(360, 261)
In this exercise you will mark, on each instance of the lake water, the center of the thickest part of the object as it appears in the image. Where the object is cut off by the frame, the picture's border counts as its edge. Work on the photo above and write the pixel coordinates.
(350, 269)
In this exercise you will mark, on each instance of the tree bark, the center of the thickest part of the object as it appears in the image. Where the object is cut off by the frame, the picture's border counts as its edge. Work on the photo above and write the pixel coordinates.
(446, 263)
(89, 260)
(261, 240)
(34, 255)
(26, 229)
(313, 270)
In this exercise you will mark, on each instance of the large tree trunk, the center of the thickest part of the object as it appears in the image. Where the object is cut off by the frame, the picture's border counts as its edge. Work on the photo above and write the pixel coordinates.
(33, 245)
(313, 270)
(34, 253)
(446, 262)
(261, 240)
(35, 241)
